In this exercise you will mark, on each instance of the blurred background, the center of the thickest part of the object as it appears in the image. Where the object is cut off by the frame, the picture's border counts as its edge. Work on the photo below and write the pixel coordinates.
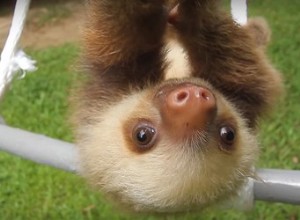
(39, 103)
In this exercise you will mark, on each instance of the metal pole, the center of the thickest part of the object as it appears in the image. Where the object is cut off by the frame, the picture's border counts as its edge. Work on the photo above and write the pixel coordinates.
(278, 186)
(239, 11)
(274, 185)
(38, 148)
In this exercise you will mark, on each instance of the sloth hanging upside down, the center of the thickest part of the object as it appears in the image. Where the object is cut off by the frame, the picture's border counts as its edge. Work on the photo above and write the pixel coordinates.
(166, 119)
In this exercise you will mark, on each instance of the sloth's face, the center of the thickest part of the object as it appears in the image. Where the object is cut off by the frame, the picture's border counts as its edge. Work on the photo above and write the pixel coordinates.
(178, 146)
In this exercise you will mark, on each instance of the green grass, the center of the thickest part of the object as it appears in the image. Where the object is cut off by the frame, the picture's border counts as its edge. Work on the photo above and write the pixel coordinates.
(39, 103)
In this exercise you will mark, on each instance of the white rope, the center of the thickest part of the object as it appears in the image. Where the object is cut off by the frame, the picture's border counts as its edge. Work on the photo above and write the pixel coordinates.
(12, 61)
(239, 11)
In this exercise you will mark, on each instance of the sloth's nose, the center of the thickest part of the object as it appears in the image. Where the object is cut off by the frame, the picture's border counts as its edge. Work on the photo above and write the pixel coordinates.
(188, 107)
(186, 99)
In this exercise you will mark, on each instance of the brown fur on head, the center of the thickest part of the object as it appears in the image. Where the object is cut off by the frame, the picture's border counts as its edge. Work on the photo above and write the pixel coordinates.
(169, 123)
(259, 30)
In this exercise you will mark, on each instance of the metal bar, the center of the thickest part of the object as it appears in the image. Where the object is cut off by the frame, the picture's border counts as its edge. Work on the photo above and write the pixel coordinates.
(274, 185)
(38, 148)
(278, 186)
(239, 11)
(2, 120)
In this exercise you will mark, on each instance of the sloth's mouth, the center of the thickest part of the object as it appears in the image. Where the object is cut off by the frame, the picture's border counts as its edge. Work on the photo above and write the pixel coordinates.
(173, 15)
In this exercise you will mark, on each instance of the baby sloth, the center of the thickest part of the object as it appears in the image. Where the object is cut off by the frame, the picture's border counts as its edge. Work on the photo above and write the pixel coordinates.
(167, 118)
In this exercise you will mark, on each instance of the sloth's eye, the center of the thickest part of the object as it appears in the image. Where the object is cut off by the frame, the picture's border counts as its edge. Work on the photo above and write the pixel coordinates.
(227, 135)
(144, 136)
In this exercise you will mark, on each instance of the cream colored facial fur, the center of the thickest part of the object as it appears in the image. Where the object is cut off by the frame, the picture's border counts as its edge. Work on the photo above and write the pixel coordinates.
(172, 176)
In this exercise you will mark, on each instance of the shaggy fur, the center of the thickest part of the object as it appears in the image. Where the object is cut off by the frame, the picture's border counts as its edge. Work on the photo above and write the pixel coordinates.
(131, 53)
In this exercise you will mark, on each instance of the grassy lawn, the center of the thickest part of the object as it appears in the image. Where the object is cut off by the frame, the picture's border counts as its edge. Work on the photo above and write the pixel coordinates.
(39, 103)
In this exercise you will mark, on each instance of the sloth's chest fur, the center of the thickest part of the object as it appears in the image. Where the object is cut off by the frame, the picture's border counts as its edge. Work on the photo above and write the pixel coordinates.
(178, 63)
